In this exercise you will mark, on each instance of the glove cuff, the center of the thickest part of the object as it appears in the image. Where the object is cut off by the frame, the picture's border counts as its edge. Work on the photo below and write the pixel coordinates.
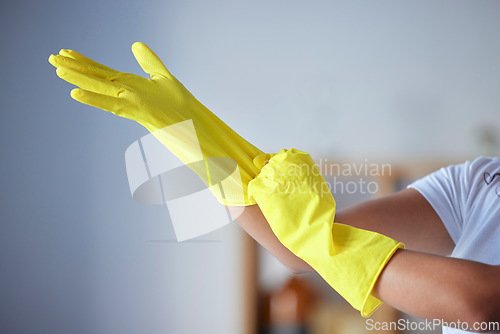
(353, 263)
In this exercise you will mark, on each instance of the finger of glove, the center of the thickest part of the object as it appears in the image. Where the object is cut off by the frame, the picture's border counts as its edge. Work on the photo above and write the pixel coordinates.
(63, 61)
(149, 61)
(89, 82)
(115, 105)
(77, 56)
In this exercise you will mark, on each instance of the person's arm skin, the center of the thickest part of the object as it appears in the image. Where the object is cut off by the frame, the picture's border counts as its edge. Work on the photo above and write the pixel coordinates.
(435, 287)
(404, 216)
(252, 220)
(425, 285)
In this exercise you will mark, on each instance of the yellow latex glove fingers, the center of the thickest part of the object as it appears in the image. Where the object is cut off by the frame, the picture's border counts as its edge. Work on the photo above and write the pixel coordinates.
(155, 102)
(159, 102)
(297, 203)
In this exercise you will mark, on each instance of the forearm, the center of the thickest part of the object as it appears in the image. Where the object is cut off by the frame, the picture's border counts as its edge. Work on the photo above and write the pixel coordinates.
(424, 285)
(255, 224)
(405, 216)
(436, 287)
(420, 284)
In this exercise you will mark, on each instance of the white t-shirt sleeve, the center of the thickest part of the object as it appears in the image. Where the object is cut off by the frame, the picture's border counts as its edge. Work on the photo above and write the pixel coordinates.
(447, 191)
(467, 199)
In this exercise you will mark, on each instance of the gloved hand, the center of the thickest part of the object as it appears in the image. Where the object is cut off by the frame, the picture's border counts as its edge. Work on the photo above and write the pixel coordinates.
(159, 102)
(297, 202)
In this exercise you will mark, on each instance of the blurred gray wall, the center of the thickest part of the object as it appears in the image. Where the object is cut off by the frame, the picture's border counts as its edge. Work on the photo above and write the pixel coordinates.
(387, 80)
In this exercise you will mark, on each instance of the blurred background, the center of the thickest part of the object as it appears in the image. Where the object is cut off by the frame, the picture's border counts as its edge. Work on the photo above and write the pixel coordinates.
(412, 84)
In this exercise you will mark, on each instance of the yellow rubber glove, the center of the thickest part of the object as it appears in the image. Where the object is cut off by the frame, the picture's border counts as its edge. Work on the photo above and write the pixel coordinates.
(297, 202)
(158, 103)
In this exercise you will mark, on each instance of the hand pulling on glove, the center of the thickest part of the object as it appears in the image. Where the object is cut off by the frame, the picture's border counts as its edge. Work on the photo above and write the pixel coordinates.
(297, 203)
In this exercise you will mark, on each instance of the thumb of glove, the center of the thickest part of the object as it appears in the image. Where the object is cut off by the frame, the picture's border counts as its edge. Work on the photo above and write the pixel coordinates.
(149, 61)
